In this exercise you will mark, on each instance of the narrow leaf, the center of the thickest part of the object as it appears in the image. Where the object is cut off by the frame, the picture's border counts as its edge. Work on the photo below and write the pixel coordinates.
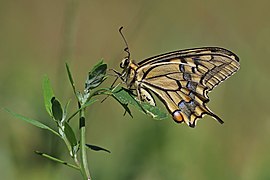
(47, 94)
(97, 148)
(57, 160)
(32, 121)
(70, 135)
(70, 77)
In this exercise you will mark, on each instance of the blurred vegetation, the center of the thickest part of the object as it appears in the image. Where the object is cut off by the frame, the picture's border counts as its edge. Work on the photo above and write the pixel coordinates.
(38, 37)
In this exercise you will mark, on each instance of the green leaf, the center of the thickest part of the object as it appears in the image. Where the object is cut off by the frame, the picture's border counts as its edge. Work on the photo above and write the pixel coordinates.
(32, 121)
(96, 76)
(70, 78)
(47, 94)
(56, 109)
(57, 160)
(154, 111)
(70, 135)
(97, 148)
(124, 105)
(124, 96)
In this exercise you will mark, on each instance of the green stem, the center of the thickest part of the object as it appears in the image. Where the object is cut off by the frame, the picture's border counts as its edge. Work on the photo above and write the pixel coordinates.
(84, 163)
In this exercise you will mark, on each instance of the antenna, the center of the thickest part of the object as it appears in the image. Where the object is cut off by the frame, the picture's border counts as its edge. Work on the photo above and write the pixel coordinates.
(126, 49)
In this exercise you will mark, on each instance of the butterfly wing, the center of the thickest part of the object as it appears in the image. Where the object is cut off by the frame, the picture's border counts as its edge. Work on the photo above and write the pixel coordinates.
(182, 80)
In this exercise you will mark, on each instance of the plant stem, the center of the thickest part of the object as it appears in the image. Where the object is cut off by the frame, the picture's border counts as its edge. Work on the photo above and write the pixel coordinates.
(84, 163)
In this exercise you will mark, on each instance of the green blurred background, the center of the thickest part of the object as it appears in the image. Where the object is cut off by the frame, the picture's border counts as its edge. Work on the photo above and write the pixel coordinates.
(38, 37)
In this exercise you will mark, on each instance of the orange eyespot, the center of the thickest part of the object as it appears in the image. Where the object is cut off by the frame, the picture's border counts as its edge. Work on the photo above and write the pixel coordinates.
(177, 117)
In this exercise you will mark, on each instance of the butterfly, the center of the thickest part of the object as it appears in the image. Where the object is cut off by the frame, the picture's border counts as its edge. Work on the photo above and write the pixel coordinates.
(181, 79)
